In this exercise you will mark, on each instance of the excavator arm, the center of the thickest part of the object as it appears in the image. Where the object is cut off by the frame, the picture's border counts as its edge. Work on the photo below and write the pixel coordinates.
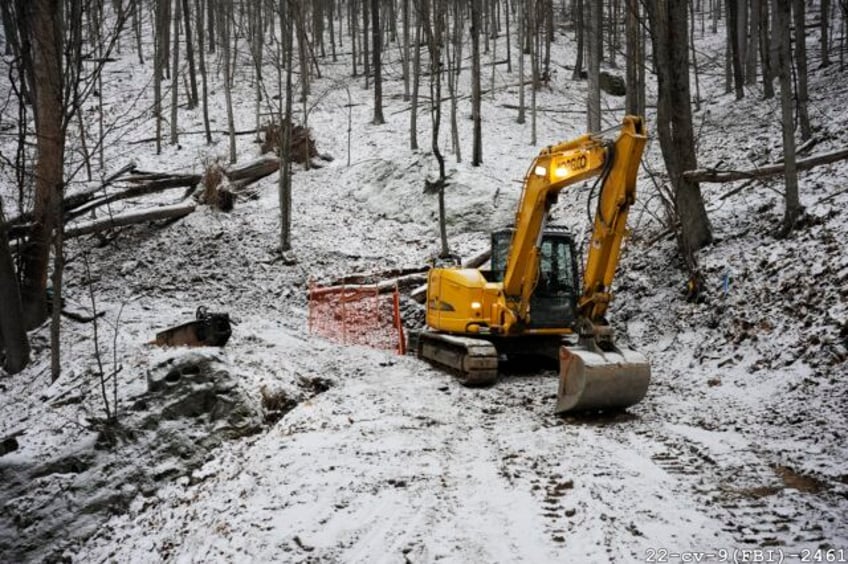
(555, 168)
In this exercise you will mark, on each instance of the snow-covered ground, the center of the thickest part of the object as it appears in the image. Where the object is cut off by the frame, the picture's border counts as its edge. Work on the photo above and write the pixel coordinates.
(739, 444)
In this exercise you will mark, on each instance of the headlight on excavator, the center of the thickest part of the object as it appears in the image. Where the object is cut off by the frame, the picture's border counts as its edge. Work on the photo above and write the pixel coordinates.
(475, 307)
(561, 171)
(540, 171)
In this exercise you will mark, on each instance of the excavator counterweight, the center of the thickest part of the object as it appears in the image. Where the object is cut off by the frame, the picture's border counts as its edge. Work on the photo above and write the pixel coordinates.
(532, 300)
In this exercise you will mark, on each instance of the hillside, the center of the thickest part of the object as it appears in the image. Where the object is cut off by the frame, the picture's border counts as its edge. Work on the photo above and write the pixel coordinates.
(367, 456)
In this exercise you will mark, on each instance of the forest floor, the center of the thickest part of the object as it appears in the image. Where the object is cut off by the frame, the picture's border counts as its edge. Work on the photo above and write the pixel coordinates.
(740, 443)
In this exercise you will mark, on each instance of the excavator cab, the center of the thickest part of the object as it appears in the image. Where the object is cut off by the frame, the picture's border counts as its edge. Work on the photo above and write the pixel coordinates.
(554, 301)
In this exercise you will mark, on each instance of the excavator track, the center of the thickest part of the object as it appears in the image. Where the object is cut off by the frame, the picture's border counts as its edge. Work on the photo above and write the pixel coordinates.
(474, 361)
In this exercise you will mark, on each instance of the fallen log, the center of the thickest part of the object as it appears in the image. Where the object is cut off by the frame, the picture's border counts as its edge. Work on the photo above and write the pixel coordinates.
(80, 206)
(254, 170)
(184, 181)
(712, 175)
(376, 277)
(164, 212)
(79, 199)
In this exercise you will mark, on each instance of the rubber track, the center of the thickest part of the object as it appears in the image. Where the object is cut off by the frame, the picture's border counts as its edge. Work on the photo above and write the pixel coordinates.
(474, 361)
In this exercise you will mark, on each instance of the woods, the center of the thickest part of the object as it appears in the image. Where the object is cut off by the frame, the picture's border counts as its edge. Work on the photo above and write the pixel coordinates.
(164, 159)
(58, 50)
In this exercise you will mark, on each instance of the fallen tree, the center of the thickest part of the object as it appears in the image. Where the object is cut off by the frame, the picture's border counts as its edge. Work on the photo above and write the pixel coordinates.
(122, 220)
(142, 183)
(714, 175)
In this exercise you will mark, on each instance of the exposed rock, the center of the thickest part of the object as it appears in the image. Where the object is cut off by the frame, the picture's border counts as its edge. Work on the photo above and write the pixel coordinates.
(193, 403)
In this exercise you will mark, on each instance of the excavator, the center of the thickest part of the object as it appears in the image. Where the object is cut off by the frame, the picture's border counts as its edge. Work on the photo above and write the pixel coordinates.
(531, 301)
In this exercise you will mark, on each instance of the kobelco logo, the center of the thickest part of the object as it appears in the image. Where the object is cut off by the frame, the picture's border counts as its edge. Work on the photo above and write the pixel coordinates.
(577, 162)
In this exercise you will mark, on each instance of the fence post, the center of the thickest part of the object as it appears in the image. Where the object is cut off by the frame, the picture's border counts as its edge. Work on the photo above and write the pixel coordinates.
(398, 324)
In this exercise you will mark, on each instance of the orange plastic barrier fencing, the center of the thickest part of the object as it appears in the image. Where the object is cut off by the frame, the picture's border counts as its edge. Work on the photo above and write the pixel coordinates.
(357, 315)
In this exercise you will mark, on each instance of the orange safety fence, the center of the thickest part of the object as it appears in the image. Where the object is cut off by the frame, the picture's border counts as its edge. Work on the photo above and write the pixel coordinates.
(357, 315)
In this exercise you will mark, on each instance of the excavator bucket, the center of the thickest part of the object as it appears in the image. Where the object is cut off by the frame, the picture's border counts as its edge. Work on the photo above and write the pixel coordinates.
(595, 379)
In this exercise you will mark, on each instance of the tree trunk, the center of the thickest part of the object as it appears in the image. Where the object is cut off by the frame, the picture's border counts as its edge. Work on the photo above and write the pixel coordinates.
(175, 74)
(49, 166)
(365, 41)
(533, 25)
(825, 33)
(593, 87)
(765, 51)
(735, 51)
(287, 29)
(159, 63)
(635, 59)
(405, 67)
(13, 336)
(782, 29)
(580, 21)
(712, 175)
(674, 118)
(453, 63)
(202, 64)
(226, 8)
(753, 43)
(192, 75)
(377, 47)
(353, 26)
(416, 83)
(694, 56)
(476, 98)
(801, 67)
(522, 31)
(130, 218)
(433, 20)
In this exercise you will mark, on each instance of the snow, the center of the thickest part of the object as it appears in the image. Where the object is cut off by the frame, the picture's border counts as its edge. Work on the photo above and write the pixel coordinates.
(385, 459)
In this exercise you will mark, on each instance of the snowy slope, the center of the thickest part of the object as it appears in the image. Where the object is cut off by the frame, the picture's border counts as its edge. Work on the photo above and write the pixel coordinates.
(740, 443)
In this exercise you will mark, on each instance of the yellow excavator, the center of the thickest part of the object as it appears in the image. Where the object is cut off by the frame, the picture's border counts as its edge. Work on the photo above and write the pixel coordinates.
(531, 301)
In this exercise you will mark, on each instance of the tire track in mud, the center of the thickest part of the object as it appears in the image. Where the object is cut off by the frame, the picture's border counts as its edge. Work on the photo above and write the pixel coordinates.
(736, 493)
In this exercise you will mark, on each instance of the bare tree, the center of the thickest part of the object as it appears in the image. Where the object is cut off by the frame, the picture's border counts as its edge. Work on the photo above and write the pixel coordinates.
(803, 96)
(735, 51)
(175, 74)
(477, 152)
(416, 83)
(406, 37)
(433, 18)
(752, 49)
(48, 45)
(453, 63)
(765, 51)
(668, 25)
(201, 54)
(593, 94)
(159, 63)
(634, 61)
(285, 48)
(13, 336)
(225, 26)
(579, 24)
(192, 74)
(784, 62)
(522, 31)
(377, 48)
(824, 26)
